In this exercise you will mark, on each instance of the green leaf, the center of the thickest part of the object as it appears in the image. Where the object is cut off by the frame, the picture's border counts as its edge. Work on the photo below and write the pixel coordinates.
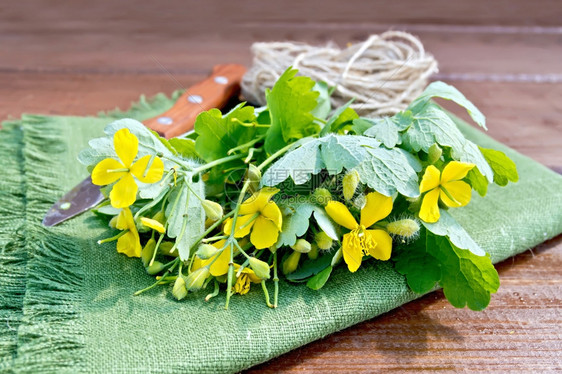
(332, 153)
(385, 131)
(420, 268)
(185, 215)
(309, 268)
(478, 182)
(389, 171)
(319, 280)
(295, 223)
(433, 125)
(290, 102)
(466, 279)
(447, 92)
(325, 222)
(504, 168)
(184, 147)
(342, 116)
(448, 226)
(323, 105)
(218, 133)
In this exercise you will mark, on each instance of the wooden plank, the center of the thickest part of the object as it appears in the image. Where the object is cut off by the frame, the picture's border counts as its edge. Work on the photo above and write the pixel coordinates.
(519, 331)
(524, 116)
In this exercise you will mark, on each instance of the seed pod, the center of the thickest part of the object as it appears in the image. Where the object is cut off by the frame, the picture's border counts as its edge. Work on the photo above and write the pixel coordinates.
(155, 268)
(148, 251)
(349, 183)
(261, 268)
(213, 210)
(302, 246)
(291, 263)
(195, 280)
(206, 251)
(323, 241)
(179, 291)
(322, 196)
(434, 153)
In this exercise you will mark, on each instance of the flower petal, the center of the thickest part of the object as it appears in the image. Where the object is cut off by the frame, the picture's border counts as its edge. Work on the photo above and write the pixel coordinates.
(126, 146)
(376, 208)
(352, 252)
(101, 175)
(125, 220)
(153, 224)
(129, 244)
(455, 171)
(153, 174)
(429, 211)
(243, 225)
(460, 191)
(430, 179)
(271, 212)
(383, 249)
(339, 213)
(220, 266)
(124, 192)
(264, 233)
(257, 201)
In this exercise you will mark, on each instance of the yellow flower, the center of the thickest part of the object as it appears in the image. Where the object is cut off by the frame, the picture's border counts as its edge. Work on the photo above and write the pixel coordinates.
(360, 241)
(128, 243)
(259, 215)
(446, 186)
(153, 224)
(247, 276)
(108, 171)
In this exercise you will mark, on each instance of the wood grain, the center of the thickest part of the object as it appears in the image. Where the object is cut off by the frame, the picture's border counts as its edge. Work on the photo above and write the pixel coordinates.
(80, 57)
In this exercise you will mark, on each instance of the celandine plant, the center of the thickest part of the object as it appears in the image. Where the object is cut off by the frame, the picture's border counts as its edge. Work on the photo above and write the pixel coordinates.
(295, 189)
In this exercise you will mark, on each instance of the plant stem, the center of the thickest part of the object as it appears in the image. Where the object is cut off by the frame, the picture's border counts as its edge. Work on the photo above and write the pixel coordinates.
(275, 280)
(266, 293)
(158, 281)
(245, 145)
(272, 158)
(216, 162)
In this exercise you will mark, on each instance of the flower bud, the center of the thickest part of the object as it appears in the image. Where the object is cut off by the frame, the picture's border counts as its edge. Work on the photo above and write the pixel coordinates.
(322, 196)
(113, 222)
(434, 153)
(195, 280)
(155, 268)
(253, 174)
(166, 249)
(406, 228)
(179, 291)
(148, 251)
(337, 257)
(160, 217)
(261, 268)
(206, 251)
(291, 263)
(213, 210)
(151, 224)
(313, 254)
(302, 246)
(323, 241)
(349, 183)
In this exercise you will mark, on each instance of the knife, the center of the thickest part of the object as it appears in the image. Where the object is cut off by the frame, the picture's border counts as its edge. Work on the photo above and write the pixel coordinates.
(213, 92)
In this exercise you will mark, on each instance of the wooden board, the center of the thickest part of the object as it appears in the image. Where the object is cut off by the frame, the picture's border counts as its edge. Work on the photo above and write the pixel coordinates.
(81, 57)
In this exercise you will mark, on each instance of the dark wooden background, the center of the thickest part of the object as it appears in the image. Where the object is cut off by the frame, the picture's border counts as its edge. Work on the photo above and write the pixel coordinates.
(80, 57)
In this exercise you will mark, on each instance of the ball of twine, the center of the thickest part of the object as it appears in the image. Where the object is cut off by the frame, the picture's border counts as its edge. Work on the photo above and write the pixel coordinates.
(384, 73)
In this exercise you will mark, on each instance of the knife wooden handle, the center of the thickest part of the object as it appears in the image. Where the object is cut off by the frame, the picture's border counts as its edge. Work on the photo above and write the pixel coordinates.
(213, 92)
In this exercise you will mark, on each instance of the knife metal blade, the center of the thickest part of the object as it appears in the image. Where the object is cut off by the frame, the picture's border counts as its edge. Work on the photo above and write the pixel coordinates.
(213, 92)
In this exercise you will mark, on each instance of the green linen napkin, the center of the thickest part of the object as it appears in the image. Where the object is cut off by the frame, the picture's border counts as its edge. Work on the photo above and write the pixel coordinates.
(79, 314)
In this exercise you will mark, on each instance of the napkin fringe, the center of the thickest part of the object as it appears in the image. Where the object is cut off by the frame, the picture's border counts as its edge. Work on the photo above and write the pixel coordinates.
(13, 256)
(50, 334)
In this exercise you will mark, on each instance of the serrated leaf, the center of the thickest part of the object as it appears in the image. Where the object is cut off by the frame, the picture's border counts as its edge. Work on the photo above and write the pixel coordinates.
(420, 268)
(339, 118)
(433, 125)
(385, 131)
(184, 147)
(290, 102)
(449, 227)
(218, 133)
(332, 153)
(503, 167)
(309, 268)
(323, 106)
(447, 92)
(466, 279)
(319, 280)
(295, 223)
(388, 171)
(477, 181)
